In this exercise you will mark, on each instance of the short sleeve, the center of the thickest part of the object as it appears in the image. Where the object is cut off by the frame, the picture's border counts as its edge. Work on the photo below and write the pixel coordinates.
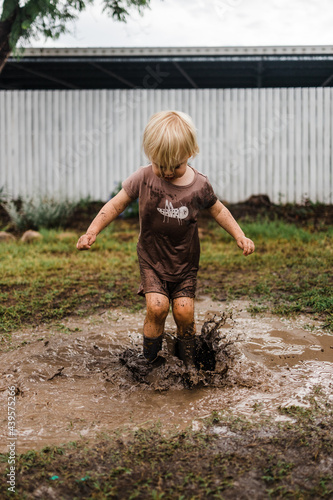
(208, 198)
(132, 184)
(211, 197)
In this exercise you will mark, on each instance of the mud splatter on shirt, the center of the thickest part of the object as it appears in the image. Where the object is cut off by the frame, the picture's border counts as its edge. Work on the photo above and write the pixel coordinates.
(168, 239)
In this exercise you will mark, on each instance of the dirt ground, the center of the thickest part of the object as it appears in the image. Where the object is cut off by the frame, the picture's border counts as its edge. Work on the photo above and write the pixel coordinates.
(254, 422)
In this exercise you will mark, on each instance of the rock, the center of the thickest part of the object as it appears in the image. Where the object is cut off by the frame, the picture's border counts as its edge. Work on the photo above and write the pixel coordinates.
(45, 492)
(66, 235)
(30, 235)
(4, 236)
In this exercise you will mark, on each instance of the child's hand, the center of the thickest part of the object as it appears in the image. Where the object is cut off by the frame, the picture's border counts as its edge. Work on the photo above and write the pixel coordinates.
(86, 241)
(246, 245)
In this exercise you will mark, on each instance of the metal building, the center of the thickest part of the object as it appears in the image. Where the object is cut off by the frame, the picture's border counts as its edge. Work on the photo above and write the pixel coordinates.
(71, 120)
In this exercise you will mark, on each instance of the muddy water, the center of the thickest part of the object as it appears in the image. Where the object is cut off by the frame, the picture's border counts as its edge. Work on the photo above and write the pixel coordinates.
(84, 376)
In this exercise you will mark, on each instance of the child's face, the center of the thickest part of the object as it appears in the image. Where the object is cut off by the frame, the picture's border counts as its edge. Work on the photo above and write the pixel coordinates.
(170, 173)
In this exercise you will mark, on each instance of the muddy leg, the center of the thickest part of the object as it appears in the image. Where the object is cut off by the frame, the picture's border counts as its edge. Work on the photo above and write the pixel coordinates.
(183, 313)
(157, 311)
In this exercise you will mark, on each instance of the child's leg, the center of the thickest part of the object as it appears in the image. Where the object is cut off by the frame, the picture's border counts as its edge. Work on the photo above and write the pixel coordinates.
(157, 311)
(183, 313)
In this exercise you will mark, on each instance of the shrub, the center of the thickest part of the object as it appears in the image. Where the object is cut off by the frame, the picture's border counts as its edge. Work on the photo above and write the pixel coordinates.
(39, 213)
(3, 195)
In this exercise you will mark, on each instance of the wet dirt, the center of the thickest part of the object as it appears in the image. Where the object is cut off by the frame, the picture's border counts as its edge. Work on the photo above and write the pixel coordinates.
(87, 376)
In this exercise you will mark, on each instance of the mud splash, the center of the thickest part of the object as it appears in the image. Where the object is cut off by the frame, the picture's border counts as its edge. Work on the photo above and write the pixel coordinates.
(215, 355)
(84, 376)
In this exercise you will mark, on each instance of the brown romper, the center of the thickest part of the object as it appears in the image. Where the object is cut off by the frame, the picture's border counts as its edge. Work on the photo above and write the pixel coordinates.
(168, 246)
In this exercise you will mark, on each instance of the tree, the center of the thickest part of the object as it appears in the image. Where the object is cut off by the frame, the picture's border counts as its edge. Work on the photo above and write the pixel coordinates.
(28, 19)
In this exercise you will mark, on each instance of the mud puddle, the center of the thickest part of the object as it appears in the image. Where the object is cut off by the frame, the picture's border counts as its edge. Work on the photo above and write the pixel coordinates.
(86, 376)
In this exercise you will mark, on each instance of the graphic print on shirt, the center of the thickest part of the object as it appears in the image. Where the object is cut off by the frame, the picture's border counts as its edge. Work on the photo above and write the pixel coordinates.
(173, 213)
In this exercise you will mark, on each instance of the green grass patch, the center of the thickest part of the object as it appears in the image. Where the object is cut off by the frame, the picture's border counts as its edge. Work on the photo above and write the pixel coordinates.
(289, 273)
(50, 279)
(290, 270)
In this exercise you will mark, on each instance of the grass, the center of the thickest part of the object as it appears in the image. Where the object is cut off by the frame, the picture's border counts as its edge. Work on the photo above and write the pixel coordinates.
(289, 273)
(290, 270)
(49, 279)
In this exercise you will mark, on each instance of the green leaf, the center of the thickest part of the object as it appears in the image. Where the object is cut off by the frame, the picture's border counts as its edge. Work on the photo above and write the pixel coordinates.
(25, 25)
(51, 17)
(9, 7)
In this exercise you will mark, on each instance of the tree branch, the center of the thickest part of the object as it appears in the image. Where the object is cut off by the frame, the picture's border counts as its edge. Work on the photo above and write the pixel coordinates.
(5, 31)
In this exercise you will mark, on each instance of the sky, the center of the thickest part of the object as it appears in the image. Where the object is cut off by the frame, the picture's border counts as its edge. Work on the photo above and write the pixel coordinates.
(186, 23)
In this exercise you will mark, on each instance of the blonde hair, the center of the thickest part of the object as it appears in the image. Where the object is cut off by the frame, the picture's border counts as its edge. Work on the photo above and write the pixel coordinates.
(169, 138)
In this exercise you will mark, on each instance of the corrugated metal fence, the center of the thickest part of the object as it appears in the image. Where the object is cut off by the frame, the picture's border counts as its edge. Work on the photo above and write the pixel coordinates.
(78, 143)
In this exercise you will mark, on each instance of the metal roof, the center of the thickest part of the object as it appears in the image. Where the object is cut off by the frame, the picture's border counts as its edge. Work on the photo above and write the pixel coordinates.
(170, 67)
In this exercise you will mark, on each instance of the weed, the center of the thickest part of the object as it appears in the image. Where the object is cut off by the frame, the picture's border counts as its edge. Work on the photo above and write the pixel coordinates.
(257, 406)
(39, 213)
(324, 481)
(65, 329)
(215, 417)
(3, 195)
(277, 471)
(257, 309)
(296, 411)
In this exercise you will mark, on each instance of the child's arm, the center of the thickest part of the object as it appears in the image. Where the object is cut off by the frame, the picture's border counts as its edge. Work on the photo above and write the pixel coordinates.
(107, 214)
(224, 218)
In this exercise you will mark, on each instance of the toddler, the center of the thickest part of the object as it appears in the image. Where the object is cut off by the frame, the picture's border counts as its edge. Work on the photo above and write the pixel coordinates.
(171, 193)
